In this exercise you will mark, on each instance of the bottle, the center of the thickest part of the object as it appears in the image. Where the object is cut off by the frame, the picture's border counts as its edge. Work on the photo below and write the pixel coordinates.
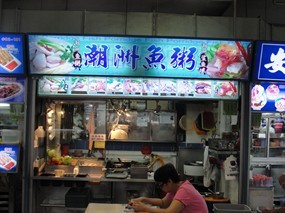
(40, 133)
(36, 166)
(76, 170)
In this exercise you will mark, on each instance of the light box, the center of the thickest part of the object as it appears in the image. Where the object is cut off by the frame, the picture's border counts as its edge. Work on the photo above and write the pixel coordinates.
(9, 158)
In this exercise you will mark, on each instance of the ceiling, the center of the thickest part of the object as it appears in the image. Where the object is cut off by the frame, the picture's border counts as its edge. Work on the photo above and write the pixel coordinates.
(191, 7)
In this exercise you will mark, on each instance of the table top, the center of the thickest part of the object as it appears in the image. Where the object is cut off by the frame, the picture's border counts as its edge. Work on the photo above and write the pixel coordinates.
(105, 207)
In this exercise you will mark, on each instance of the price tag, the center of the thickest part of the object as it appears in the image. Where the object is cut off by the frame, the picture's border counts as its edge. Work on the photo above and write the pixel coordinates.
(99, 140)
(99, 145)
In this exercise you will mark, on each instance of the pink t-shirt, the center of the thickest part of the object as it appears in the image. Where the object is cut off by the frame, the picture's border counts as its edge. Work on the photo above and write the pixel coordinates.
(190, 197)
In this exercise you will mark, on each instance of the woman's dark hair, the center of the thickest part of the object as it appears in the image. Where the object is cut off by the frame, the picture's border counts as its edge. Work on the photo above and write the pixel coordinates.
(166, 172)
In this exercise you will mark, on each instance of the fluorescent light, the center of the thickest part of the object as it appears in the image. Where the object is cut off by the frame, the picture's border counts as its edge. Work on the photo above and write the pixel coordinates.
(4, 105)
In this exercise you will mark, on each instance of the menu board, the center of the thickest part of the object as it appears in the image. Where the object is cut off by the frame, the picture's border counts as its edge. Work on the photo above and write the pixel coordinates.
(268, 97)
(139, 56)
(9, 156)
(12, 89)
(269, 62)
(137, 87)
(11, 54)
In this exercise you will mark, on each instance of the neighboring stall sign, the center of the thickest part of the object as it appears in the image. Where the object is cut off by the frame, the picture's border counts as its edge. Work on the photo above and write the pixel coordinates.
(137, 87)
(9, 156)
(139, 57)
(268, 97)
(12, 89)
(11, 54)
(269, 62)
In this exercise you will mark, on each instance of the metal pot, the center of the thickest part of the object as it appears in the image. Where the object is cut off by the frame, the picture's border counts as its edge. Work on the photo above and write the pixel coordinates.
(218, 195)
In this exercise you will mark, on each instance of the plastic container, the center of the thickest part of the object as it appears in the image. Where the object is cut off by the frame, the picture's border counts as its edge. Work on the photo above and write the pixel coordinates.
(231, 208)
(11, 136)
(278, 127)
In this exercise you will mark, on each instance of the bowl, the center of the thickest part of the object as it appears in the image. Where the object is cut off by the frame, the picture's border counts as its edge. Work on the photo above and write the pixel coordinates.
(218, 195)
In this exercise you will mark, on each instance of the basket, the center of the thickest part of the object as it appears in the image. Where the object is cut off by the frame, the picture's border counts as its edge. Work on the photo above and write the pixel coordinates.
(231, 208)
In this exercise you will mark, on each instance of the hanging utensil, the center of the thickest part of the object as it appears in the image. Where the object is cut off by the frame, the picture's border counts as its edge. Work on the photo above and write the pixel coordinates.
(90, 127)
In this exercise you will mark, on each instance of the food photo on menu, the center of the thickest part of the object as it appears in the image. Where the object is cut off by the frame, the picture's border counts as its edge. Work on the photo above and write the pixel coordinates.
(272, 91)
(6, 161)
(185, 87)
(11, 90)
(97, 85)
(280, 104)
(268, 97)
(150, 86)
(168, 87)
(227, 60)
(8, 61)
(115, 86)
(49, 55)
(258, 97)
(133, 86)
(52, 84)
(225, 89)
(79, 85)
(203, 88)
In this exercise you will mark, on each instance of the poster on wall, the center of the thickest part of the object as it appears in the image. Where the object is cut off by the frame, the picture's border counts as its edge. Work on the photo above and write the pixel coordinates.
(139, 56)
(268, 97)
(12, 89)
(269, 62)
(11, 54)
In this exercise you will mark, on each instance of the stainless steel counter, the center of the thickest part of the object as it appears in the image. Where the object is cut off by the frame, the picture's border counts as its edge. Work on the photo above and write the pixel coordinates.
(93, 178)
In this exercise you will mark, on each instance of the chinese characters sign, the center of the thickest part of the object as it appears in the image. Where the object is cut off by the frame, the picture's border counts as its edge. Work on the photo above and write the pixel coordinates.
(270, 60)
(138, 56)
(11, 54)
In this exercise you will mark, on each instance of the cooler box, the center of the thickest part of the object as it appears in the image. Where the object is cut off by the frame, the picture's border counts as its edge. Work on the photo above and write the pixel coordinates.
(77, 197)
(231, 208)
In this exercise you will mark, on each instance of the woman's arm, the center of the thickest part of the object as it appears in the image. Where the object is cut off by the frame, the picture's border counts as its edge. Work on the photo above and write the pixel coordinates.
(175, 207)
(152, 201)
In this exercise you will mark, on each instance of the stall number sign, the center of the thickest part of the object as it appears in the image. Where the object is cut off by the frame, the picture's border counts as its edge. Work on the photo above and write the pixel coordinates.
(99, 140)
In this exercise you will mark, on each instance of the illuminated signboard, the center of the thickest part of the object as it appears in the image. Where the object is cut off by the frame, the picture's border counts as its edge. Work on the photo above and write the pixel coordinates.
(11, 54)
(9, 157)
(139, 57)
(90, 86)
(269, 62)
(12, 89)
(268, 97)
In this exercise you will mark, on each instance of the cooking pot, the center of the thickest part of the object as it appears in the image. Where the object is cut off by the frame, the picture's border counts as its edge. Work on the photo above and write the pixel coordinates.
(218, 195)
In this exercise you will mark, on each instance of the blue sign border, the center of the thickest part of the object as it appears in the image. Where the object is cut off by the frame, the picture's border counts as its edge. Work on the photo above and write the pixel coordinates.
(264, 55)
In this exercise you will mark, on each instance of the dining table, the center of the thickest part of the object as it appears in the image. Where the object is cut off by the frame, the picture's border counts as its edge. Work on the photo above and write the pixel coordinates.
(106, 207)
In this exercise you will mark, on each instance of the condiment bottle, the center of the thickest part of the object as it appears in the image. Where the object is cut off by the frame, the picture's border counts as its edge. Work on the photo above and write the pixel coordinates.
(40, 133)
(76, 170)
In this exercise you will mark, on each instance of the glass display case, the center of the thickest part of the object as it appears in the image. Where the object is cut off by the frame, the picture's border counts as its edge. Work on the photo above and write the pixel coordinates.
(72, 128)
(268, 136)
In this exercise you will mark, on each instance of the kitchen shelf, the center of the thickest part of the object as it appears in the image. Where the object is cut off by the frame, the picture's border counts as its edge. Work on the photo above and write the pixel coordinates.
(259, 147)
(223, 152)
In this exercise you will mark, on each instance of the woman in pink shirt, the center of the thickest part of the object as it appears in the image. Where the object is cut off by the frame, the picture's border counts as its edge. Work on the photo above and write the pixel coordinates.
(181, 197)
